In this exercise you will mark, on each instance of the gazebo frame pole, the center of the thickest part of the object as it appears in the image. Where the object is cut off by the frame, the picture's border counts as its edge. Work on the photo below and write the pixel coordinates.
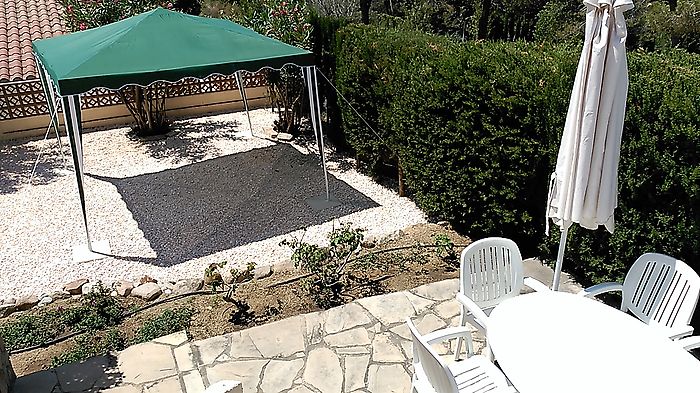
(320, 133)
(239, 81)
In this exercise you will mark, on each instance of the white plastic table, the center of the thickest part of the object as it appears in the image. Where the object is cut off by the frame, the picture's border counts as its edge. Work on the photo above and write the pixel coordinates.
(563, 343)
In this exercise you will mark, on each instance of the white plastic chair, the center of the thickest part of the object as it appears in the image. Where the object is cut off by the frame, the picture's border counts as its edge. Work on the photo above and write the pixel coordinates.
(431, 374)
(491, 270)
(659, 290)
(689, 343)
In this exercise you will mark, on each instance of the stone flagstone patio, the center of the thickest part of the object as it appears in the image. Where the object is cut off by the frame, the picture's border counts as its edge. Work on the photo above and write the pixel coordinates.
(363, 346)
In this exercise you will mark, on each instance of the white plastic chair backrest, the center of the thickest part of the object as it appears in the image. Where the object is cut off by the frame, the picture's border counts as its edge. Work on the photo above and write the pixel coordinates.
(491, 270)
(661, 290)
(427, 364)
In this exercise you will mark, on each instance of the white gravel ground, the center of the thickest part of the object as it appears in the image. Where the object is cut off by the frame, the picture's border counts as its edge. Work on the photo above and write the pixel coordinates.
(169, 207)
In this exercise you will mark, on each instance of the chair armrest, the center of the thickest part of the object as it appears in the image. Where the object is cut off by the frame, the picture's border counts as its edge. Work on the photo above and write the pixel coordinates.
(674, 333)
(535, 284)
(601, 288)
(448, 334)
(479, 314)
(689, 343)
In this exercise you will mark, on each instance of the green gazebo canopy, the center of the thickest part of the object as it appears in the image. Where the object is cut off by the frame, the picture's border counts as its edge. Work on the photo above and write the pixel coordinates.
(159, 45)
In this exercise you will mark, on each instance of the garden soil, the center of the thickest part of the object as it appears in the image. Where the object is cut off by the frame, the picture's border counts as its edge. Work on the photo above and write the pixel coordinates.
(282, 295)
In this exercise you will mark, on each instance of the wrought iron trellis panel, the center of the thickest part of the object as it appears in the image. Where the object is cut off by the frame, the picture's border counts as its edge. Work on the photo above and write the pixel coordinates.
(26, 99)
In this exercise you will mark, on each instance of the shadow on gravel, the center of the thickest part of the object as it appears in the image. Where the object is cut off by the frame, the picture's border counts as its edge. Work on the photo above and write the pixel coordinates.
(191, 139)
(217, 204)
(17, 159)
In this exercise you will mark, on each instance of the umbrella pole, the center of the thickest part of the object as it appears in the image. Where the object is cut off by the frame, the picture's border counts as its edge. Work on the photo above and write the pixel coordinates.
(560, 259)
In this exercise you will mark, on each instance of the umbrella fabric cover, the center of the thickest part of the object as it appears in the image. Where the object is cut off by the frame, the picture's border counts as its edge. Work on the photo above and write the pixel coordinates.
(583, 188)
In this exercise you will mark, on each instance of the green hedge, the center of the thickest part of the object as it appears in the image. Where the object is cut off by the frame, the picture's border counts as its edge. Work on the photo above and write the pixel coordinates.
(476, 128)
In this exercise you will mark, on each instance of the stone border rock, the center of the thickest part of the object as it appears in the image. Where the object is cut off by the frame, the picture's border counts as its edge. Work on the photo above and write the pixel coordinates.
(146, 288)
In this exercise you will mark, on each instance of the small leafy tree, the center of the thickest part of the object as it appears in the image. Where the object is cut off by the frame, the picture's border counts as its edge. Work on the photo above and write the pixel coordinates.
(146, 104)
(327, 265)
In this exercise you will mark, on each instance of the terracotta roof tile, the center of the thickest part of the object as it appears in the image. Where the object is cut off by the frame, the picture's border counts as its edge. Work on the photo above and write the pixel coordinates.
(22, 21)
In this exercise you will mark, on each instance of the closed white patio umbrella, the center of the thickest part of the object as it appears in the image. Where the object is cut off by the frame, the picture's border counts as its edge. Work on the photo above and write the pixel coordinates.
(583, 187)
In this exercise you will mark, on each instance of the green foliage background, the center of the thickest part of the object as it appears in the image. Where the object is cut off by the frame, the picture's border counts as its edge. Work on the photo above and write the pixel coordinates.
(476, 127)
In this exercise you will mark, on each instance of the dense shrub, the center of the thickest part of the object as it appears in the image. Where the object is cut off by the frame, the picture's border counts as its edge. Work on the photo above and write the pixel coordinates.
(473, 124)
(323, 43)
(476, 127)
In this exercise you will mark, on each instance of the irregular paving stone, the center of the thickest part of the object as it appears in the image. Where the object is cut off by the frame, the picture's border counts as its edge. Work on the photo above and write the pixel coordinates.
(184, 358)
(442, 290)
(168, 385)
(430, 323)
(123, 389)
(323, 371)
(211, 348)
(193, 382)
(362, 350)
(39, 382)
(402, 331)
(301, 389)
(345, 317)
(348, 338)
(388, 379)
(123, 287)
(75, 287)
(76, 377)
(419, 304)
(383, 350)
(389, 309)
(225, 387)
(147, 291)
(355, 370)
(407, 348)
(261, 272)
(314, 326)
(158, 357)
(279, 339)
(279, 375)
(175, 339)
(246, 371)
(448, 310)
(242, 347)
(7, 374)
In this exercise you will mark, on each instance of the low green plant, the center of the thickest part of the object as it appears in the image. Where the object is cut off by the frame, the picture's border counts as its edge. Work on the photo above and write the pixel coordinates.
(97, 310)
(445, 247)
(32, 329)
(327, 265)
(167, 322)
(91, 344)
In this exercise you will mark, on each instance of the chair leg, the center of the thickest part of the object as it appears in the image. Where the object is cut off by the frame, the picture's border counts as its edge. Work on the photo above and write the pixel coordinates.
(460, 340)
(488, 353)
